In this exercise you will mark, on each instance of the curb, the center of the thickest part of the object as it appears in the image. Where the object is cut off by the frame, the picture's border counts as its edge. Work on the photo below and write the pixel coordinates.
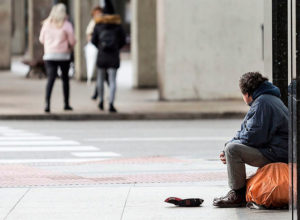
(125, 116)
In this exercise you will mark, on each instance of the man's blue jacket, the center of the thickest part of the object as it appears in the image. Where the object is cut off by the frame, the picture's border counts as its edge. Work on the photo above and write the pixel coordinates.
(265, 126)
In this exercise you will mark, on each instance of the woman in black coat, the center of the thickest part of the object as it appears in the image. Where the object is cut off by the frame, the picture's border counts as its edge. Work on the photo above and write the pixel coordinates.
(109, 37)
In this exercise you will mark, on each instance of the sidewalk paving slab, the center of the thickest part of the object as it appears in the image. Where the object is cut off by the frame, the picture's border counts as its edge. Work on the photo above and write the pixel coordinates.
(147, 203)
(10, 198)
(71, 204)
(130, 202)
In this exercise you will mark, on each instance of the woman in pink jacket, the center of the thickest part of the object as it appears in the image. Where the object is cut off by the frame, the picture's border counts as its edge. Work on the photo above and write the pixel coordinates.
(57, 36)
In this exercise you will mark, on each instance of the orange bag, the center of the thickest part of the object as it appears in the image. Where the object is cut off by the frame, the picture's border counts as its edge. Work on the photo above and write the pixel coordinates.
(269, 186)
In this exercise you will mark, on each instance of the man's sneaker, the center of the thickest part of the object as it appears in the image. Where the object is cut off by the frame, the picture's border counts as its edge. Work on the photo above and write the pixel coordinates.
(231, 200)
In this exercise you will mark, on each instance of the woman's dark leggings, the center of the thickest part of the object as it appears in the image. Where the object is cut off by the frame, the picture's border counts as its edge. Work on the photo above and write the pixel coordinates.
(51, 69)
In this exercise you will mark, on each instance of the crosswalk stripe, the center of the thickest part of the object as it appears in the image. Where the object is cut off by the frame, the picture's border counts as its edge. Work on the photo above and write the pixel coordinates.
(6, 129)
(3, 127)
(15, 140)
(95, 154)
(11, 131)
(20, 134)
(50, 160)
(30, 138)
(37, 143)
(43, 149)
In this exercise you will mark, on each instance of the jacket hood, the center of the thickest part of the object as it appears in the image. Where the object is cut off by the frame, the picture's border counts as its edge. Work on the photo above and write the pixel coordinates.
(109, 7)
(266, 88)
(108, 19)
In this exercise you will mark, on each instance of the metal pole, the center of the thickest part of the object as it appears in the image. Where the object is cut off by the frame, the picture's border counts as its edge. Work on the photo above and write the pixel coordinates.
(296, 111)
(294, 107)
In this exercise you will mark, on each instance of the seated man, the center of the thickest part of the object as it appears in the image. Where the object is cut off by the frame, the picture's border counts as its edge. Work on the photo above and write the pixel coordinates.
(263, 137)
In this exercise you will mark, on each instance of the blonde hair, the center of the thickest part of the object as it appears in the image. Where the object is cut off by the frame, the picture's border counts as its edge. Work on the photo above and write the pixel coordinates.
(57, 15)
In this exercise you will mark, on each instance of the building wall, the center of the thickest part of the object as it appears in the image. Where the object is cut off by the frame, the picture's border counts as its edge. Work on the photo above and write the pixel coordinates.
(205, 46)
(5, 33)
(268, 51)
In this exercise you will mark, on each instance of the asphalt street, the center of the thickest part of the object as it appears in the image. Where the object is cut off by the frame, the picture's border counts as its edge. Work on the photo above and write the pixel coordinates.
(186, 139)
(106, 149)
(122, 152)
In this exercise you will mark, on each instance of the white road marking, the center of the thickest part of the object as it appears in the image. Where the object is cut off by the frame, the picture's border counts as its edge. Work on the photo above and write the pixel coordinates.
(95, 154)
(50, 160)
(20, 134)
(159, 139)
(14, 140)
(30, 138)
(11, 131)
(37, 143)
(43, 149)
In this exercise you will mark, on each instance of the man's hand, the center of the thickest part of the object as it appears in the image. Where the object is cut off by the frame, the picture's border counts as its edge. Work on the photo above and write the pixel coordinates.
(222, 157)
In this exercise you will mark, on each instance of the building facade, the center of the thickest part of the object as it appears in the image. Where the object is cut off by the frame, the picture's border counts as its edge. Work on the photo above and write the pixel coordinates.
(191, 51)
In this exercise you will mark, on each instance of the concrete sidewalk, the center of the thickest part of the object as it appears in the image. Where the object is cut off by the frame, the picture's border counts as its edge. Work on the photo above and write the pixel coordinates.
(22, 98)
(128, 202)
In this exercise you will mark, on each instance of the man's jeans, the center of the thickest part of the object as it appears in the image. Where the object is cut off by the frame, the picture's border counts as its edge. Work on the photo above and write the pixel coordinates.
(237, 155)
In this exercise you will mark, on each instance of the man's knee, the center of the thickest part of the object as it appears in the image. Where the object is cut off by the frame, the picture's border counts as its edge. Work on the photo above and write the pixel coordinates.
(232, 149)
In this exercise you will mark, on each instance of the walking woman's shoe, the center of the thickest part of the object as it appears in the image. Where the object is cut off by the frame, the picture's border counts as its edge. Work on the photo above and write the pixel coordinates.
(68, 108)
(101, 106)
(47, 109)
(95, 95)
(112, 109)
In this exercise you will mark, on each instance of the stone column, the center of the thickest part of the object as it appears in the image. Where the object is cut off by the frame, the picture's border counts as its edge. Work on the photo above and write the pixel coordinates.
(205, 46)
(38, 10)
(144, 44)
(5, 33)
(82, 17)
(18, 27)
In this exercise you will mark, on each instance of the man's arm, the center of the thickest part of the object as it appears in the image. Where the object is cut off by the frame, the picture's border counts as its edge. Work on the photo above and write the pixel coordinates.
(235, 139)
(256, 132)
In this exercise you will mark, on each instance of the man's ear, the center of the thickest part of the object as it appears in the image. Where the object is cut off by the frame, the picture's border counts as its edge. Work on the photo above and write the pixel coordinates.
(250, 97)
